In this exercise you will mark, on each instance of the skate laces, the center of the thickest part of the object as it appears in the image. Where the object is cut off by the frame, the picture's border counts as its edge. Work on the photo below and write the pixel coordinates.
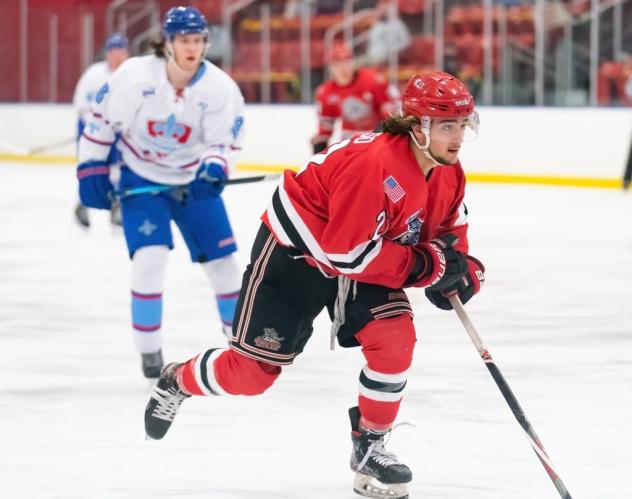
(377, 450)
(169, 401)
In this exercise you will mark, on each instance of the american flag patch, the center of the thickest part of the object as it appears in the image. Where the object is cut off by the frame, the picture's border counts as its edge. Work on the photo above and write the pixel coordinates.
(393, 190)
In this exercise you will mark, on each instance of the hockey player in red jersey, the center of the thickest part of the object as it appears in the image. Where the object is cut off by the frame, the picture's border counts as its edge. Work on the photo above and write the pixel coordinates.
(360, 98)
(368, 217)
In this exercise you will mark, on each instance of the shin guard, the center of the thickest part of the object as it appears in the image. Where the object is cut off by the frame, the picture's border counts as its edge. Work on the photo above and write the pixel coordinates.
(387, 345)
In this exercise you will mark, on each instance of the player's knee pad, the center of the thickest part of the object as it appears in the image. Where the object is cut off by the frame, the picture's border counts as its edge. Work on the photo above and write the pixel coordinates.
(225, 277)
(241, 375)
(388, 344)
(224, 274)
(148, 268)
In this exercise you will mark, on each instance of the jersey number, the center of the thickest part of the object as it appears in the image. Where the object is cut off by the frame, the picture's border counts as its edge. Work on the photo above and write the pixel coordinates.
(365, 138)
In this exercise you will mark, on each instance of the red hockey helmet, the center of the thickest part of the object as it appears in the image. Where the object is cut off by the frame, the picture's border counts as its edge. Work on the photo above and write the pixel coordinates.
(340, 52)
(435, 95)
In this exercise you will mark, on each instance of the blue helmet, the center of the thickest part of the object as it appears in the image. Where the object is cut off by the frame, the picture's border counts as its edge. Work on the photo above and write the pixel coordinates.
(184, 20)
(116, 41)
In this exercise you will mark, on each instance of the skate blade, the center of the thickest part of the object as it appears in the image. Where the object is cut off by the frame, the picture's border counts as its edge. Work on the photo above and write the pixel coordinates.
(367, 486)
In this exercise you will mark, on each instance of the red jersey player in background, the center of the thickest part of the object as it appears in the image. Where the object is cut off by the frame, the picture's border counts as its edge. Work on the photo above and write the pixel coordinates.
(360, 98)
(365, 219)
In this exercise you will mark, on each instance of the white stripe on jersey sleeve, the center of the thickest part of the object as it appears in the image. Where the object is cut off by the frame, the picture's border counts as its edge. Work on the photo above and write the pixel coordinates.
(462, 218)
(307, 237)
(278, 229)
(368, 258)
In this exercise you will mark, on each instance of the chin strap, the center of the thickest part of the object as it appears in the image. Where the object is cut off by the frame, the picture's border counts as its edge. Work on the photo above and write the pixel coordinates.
(425, 149)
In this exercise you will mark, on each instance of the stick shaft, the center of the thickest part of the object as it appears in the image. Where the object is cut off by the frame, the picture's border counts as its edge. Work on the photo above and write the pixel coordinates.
(157, 189)
(510, 398)
(52, 145)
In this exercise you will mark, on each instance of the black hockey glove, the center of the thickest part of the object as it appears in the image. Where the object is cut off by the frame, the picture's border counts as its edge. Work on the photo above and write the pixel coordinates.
(466, 287)
(438, 264)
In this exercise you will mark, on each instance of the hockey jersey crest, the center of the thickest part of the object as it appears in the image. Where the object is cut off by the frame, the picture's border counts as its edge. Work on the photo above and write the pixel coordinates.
(168, 134)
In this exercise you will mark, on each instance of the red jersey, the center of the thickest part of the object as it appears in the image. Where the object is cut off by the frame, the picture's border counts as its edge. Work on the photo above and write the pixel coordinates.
(359, 208)
(361, 105)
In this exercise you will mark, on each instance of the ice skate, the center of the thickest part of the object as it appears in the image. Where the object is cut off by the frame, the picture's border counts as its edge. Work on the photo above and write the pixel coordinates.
(378, 472)
(163, 405)
(152, 364)
(81, 216)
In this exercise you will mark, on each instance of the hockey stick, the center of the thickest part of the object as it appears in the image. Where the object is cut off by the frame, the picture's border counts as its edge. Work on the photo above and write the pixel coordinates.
(157, 189)
(509, 397)
(5, 145)
(52, 145)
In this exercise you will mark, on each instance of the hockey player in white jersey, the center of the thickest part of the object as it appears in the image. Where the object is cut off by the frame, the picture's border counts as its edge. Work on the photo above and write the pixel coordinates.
(93, 78)
(180, 122)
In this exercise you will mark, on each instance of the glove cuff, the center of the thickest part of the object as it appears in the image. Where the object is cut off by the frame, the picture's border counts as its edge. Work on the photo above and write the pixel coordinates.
(429, 266)
(91, 168)
(476, 271)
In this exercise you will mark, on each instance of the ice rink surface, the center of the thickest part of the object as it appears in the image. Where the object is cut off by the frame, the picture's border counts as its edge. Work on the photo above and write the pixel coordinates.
(555, 313)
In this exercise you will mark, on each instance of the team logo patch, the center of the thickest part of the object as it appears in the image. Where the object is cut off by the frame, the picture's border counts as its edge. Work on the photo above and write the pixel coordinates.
(147, 228)
(270, 339)
(101, 94)
(411, 236)
(393, 190)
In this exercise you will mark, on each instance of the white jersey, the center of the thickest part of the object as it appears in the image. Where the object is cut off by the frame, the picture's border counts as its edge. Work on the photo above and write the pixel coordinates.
(165, 134)
(87, 87)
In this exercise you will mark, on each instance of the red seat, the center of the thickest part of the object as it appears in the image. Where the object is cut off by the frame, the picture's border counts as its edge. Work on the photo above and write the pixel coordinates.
(212, 9)
(420, 51)
(248, 57)
(455, 21)
(411, 7)
(474, 19)
(288, 57)
(471, 51)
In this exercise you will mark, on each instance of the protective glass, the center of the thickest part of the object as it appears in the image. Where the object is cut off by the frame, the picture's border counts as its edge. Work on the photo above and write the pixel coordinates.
(455, 129)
